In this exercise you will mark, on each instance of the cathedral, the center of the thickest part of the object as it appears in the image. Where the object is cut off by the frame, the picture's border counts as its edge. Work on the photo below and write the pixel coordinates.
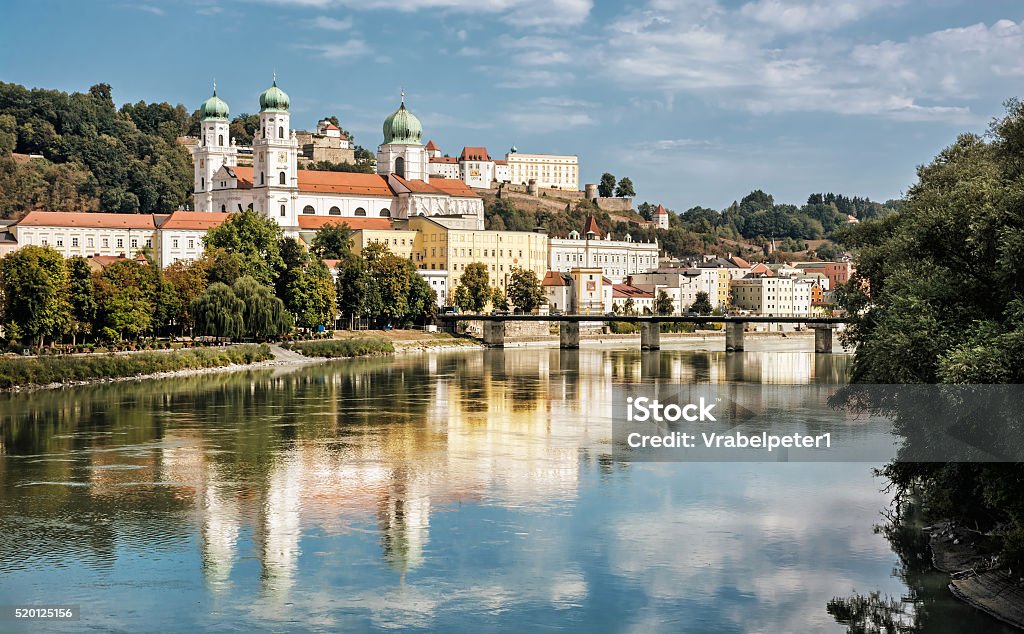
(299, 200)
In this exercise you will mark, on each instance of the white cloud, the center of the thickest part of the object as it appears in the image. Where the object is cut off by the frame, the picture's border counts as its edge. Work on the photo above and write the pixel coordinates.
(550, 114)
(526, 13)
(145, 8)
(339, 52)
(331, 24)
(732, 59)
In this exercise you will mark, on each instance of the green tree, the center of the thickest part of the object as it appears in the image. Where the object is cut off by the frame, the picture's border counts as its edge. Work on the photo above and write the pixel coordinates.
(524, 289)
(664, 305)
(352, 286)
(264, 315)
(630, 307)
(422, 298)
(220, 265)
(255, 239)
(701, 304)
(126, 299)
(332, 241)
(35, 288)
(625, 188)
(82, 295)
(606, 188)
(8, 133)
(313, 296)
(498, 299)
(389, 284)
(189, 280)
(218, 312)
(477, 283)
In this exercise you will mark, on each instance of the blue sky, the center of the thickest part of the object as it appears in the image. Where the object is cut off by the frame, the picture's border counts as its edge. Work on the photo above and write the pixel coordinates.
(698, 101)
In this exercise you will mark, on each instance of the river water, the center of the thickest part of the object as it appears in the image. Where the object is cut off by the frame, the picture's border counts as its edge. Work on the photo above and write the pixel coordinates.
(472, 490)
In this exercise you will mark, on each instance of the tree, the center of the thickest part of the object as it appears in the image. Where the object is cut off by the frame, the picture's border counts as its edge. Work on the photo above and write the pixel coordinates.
(606, 188)
(630, 307)
(255, 239)
(498, 299)
(701, 304)
(35, 294)
(332, 241)
(218, 312)
(625, 188)
(664, 305)
(422, 298)
(313, 296)
(125, 298)
(189, 280)
(263, 315)
(524, 289)
(351, 286)
(220, 265)
(8, 133)
(389, 284)
(82, 295)
(477, 284)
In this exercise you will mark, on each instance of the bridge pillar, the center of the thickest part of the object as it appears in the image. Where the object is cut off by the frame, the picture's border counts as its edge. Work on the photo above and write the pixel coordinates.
(823, 339)
(494, 334)
(569, 335)
(650, 335)
(734, 336)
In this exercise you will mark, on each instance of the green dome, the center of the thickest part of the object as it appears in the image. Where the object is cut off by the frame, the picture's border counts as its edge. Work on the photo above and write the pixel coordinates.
(402, 127)
(213, 108)
(274, 99)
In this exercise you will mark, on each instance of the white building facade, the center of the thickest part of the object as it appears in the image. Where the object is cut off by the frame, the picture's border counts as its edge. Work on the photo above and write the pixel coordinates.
(617, 258)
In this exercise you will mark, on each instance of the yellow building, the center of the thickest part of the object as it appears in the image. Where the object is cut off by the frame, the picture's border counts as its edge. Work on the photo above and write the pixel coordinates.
(724, 281)
(451, 249)
(401, 242)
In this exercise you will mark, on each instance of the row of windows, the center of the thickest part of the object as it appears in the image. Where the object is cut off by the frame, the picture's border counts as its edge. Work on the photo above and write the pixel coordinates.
(335, 211)
(104, 243)
(191, 243)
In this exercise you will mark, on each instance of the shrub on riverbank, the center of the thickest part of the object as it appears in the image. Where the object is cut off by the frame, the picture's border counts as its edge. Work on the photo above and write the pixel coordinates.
(22, 371)
(338, 348)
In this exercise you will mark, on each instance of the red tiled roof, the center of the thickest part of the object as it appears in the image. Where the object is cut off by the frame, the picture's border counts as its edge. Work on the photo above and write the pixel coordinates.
(331, 126)
(628, 290)
(501, 162)
(418, 186)
(194, 220)
(591, 226)
(431, 146)
(444, 159)
(474, 154)
(453, 187)
(761, 268)
(553, 278)
(344, 183)
(331, 264)
(94, 220)
(740, 262)
(660, 210)
(243, 175)
(315, 222)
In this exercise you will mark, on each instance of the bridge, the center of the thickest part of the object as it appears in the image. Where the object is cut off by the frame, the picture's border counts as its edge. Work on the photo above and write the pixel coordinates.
(650, 327)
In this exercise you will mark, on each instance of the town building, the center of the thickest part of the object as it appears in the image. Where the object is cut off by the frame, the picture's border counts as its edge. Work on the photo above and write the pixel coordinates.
(543, 170)
(326, 143)
(557, 289)
(836, 272)
(661, 217)
(180, 236)
(276, 188)
(87, 234)
(446, 245)
(633, 299)
(617, 258)
(779, 296)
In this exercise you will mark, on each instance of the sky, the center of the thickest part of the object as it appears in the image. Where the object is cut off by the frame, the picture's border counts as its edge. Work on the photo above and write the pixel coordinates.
(697, 101)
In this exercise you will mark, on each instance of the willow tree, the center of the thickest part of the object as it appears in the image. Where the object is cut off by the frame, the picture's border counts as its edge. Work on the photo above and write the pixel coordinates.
(218, 312)
(263, 315)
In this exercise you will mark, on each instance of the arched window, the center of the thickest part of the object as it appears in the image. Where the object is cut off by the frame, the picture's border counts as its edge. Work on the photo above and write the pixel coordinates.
(220, 139)
(283, 212)
(282, 178)
(202, 184)
(360, 211)
(385, 213)
(280, 131)
(334, 211)
(261, 178)
(308, 209)
(223, 209)
(400, 166)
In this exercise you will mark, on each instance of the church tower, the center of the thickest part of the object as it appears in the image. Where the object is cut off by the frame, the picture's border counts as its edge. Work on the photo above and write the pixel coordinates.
(402, 152)
(275, 152)
(215, 149)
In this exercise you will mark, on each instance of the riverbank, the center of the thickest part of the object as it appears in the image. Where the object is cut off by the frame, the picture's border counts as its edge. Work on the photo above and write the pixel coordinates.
(969, 557)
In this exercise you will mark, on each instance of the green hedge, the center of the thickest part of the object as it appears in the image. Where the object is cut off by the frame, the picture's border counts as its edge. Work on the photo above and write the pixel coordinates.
(19, 371)
(337, 348)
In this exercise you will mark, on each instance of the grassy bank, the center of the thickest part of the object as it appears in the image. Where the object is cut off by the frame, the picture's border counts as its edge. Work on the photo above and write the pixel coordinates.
(23, 371)
(338, 348)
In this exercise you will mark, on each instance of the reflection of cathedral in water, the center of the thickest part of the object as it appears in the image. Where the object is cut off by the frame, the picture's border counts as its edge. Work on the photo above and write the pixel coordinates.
(495, 428)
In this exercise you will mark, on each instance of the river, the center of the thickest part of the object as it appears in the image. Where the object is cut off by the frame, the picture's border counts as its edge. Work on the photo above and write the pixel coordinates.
(471, 490)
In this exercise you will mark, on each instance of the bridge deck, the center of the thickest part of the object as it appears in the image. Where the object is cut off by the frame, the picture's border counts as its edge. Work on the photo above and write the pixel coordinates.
(636, 319)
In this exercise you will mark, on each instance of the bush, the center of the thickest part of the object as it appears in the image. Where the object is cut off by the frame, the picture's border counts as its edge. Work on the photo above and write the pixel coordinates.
(338, 348)
(24, 371)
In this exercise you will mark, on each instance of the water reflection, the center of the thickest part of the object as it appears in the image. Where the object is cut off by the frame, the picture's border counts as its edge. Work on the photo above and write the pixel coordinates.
(426, 491)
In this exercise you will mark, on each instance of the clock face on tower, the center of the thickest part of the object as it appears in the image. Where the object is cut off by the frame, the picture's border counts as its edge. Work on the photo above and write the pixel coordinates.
(282, 159)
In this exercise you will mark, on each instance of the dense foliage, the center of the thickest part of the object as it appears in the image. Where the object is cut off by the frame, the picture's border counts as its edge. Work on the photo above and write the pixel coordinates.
(93, 155)
(338, 348)
(939, 298)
